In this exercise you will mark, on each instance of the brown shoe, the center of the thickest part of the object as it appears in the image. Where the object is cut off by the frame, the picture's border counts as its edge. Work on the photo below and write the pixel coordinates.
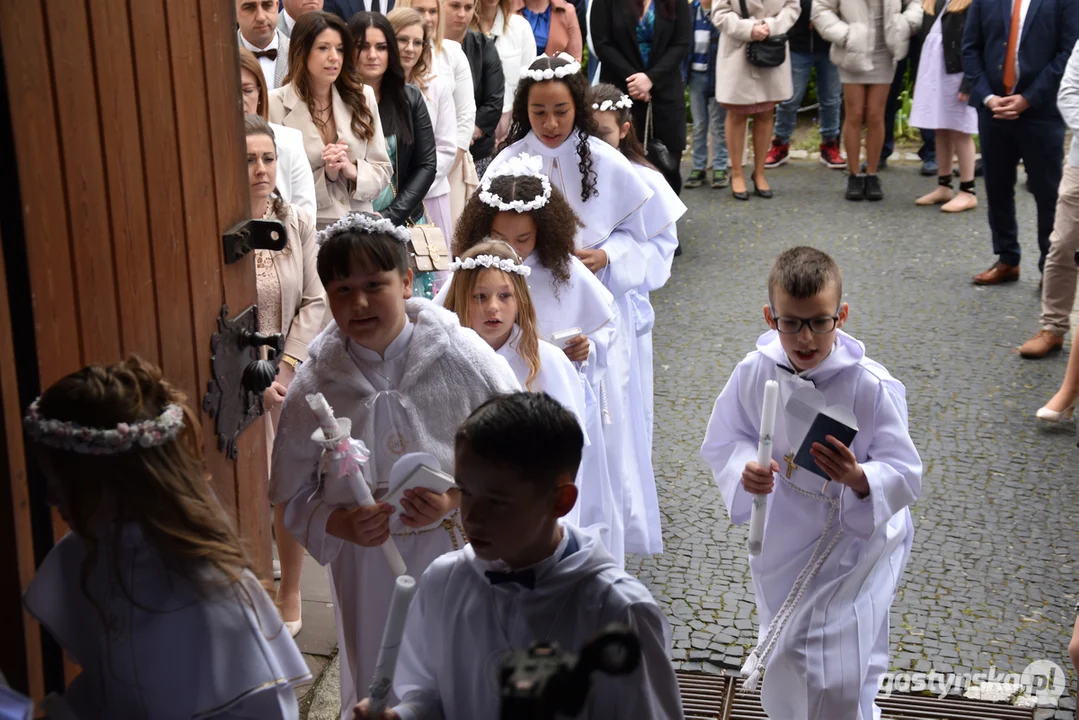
(1041, 344)
(999, 273)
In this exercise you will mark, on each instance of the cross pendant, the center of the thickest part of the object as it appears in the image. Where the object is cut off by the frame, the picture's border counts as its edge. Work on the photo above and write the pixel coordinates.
(791, 467)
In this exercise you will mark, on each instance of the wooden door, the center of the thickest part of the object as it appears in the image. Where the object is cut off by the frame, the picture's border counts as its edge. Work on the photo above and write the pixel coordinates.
(125, 126)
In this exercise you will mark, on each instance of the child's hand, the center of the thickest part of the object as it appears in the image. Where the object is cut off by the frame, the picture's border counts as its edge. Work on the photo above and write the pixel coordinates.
(367, 525)
(577, 349)
(360, 712)
(423, 507)
(594, 260)
(758, 480)
(839, 463)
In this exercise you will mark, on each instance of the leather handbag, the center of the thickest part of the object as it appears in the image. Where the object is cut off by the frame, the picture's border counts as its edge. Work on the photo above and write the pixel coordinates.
(768, 53)
(427, 242)
(658, 154)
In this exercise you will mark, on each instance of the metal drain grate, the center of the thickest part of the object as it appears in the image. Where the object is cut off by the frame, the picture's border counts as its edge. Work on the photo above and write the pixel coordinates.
(716, 697)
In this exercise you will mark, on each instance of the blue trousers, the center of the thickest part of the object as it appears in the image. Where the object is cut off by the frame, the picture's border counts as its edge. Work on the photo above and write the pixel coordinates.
(829, 94)
(709, 117)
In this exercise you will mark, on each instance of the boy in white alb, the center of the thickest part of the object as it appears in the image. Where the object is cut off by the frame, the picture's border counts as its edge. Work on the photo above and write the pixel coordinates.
(526, 576)
(823, 639)
(407, 374)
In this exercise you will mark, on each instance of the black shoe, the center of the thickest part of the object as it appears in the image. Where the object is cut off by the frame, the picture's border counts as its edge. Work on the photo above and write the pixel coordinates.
(979, 171)
(855, 187)
(873, 189)
(743, 196)
(766, 194)
(678, 250)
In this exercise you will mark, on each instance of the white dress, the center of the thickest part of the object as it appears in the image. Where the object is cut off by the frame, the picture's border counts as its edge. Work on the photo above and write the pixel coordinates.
(173, 653)
(460, 626)
(433, 375)
(614, 223)
(834, 646)
(583, 302)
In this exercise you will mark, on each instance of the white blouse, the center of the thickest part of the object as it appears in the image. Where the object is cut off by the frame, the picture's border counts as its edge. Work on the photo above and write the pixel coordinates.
(516, 48)
(295, 181)
(450, 62)
(439, 100)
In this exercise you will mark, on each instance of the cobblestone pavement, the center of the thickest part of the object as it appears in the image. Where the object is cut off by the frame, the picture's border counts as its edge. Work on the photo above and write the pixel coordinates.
(992, 580)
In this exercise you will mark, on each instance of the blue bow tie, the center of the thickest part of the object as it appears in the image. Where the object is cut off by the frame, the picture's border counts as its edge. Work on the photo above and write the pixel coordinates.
(525, 578)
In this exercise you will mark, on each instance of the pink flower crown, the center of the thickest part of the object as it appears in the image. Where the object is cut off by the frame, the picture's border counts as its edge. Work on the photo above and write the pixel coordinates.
(66, 435)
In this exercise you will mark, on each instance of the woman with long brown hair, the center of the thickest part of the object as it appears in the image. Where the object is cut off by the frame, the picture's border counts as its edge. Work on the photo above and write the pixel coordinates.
(338, 116)
(292, 302)
(151, 592)
(295, 183)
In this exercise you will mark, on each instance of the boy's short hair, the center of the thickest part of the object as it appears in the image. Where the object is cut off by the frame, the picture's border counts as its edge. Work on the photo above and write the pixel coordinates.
(530, 432)
(803, 272)
(374, 252)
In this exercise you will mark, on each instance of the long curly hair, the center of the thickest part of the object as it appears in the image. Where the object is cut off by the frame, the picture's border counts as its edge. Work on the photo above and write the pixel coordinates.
(583, 122)
(629, 145)
(165, 489)
(349, 86)
(393, 107)
(556, 223)
(462, 287)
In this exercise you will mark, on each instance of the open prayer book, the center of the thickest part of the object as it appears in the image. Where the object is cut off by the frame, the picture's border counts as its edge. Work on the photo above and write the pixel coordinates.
(808, 406)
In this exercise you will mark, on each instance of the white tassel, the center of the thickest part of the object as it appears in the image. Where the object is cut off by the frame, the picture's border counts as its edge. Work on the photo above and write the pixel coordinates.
(752, 671)
(603, 401)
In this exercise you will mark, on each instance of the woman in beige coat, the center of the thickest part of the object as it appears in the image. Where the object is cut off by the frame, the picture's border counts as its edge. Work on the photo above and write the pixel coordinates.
(869, 38)
(338, 116)
(746, 90)
(291, 301)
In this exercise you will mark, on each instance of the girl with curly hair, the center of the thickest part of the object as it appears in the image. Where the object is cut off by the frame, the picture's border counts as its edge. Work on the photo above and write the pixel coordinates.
(151, 591)
(611, 112)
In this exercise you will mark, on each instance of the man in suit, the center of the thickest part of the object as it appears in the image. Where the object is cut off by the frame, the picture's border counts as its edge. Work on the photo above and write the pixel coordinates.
(345, 9)
(293, 9)
(258, 33)
(1015, 52)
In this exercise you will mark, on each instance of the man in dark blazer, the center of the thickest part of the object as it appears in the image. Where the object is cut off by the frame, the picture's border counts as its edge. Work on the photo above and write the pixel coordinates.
(345, 9)
(1015, 52)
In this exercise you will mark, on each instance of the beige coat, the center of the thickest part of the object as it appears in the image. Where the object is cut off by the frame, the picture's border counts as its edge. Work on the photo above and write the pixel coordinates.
(737, 81)
(303, 299)
(845, 24)
(334, 199)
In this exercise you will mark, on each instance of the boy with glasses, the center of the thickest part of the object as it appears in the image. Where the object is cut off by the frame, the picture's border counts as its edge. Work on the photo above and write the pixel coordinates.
(837, 536)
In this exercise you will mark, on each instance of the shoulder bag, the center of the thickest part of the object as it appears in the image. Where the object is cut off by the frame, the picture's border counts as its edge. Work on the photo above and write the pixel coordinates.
(768, 53)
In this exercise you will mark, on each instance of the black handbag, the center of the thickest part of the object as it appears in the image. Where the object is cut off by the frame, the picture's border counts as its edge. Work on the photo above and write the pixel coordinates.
(768, 53)
(658, 154)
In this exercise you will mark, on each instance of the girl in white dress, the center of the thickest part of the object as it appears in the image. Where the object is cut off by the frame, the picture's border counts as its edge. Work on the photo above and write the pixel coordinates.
(522, 208)
(611, 111)
(150, 593)
(551, 119)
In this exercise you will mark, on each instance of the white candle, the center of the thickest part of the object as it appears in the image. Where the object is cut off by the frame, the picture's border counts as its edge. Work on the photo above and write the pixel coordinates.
(764, 459)
(391, 644)
(324, 413)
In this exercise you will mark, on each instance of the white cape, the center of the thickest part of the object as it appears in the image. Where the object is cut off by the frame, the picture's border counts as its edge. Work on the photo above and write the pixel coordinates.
(449, 372)
(173, 654)
(835, 645)
(460, 626)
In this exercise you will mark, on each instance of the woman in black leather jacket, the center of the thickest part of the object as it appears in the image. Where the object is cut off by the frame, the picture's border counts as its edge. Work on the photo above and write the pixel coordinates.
(410, 139)
(941, 93)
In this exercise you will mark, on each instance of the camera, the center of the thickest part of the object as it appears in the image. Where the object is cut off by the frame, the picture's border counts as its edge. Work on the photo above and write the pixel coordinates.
(546, 682)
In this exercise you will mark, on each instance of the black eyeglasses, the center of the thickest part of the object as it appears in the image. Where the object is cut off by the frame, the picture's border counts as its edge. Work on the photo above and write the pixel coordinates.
(817, 326)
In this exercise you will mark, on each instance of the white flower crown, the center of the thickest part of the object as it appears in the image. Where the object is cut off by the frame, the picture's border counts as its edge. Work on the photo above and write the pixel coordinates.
(524, 165)
(539, 74)
(622, 103)
(103, 441)
(364, 222)
(491, 262)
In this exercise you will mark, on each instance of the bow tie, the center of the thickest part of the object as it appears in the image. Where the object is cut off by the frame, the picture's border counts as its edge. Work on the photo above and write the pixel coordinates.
(271, 53)
(525, 578)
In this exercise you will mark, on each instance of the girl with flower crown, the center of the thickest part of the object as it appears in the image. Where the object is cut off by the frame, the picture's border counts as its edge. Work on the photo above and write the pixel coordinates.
(521, 208)
(150, 592)
(406, 374)
(490, 294)
(611, 110)
(551, 119)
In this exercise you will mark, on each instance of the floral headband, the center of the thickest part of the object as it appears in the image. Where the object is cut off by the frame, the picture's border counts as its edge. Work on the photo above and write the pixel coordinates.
(491, 262)
(539, 74)
(103, 441)
(364, 222)
(622, 103)
(524, 165)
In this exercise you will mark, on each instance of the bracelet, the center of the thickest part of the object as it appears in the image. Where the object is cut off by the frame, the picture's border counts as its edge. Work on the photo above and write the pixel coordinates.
(291, 361)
